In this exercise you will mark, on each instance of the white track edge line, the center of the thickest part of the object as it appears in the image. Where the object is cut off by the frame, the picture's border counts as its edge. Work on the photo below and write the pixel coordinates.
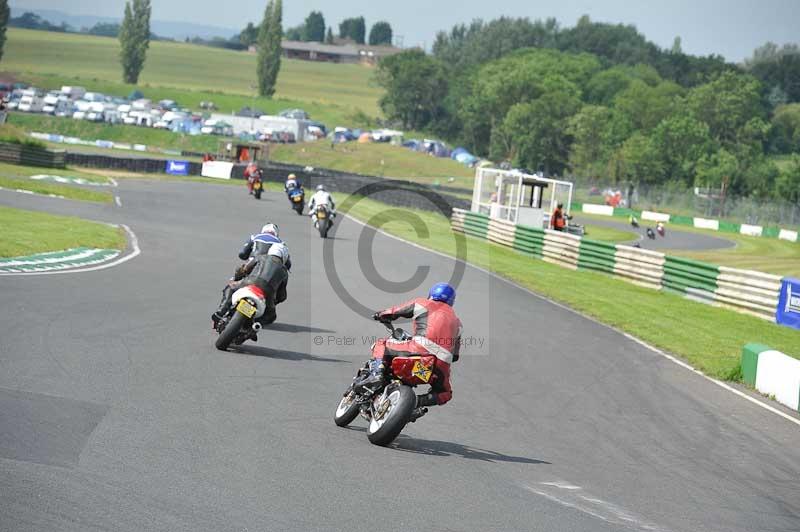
(590, 318)
(134, 245)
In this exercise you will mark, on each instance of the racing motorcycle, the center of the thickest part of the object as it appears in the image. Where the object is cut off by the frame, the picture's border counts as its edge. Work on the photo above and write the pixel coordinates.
(390, 407)
(258, 186)
(322, 220)
(296, 197)
(239, 324)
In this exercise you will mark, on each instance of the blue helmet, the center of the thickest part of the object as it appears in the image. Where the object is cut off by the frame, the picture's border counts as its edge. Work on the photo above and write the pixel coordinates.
(443, 292)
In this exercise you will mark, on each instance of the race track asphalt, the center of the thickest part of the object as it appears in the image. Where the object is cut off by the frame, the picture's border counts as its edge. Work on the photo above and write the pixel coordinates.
(673, 237)
(117, 413)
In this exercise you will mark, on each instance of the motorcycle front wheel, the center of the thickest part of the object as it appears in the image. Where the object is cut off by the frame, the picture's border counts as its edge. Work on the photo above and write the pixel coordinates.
(383, 431)
(347, 410)
(230, 331)
(323, 228)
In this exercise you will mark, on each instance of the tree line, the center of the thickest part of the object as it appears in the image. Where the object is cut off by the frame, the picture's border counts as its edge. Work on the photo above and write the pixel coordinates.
(352, 29)
(599, 101)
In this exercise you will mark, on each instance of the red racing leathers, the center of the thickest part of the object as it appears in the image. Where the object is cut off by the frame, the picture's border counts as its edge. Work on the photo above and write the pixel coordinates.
(436, 331)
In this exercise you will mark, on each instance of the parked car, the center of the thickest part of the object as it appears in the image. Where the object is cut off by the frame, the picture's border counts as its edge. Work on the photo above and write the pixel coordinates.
(217, 127)
(297, 114)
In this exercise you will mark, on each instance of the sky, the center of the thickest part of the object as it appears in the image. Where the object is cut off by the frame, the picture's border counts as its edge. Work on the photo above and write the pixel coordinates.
(732, 28)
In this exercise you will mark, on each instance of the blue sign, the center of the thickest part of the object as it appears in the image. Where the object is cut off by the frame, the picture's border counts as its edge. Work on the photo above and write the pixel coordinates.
(788, 312)
(177, 167)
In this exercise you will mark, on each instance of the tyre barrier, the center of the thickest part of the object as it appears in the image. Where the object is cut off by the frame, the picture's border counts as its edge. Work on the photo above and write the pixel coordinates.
(746, 291)
(772, 373)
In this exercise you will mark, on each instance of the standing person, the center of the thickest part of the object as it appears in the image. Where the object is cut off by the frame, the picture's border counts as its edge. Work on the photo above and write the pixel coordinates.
(558, 221)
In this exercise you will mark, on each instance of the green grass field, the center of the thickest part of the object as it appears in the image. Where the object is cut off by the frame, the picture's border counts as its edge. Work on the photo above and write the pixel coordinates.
(28, 232)
(191, 73)
(707, 337)
(608, 234)
(45, 187)
(376, 159)
(118, 133)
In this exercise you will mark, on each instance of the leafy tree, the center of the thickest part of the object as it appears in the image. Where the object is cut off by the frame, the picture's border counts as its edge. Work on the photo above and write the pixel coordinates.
(381, 33)
(467, 46)
(785, 131)
(249, 35)
(678, 143)
(714, 169)
(5, 12)
(354, 29)
(104, 29)
(617, 43)
(536, 134)
(606, 84)
(32, 21)
(646, 106)
(634, 161)
(591, 129)
(296, 33)
(787, 186)
(134, 37)
(329, 36)
(726, 104)
(778, 68)
(269, 48)
(314, 29)
(415, 86)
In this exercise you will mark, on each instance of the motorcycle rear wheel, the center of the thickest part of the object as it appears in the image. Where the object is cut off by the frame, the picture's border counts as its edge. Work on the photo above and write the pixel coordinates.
(347, 411)
(230, 331)
(383, 432)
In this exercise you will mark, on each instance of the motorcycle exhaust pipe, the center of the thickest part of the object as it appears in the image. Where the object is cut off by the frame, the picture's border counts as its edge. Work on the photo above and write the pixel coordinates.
(256, 326)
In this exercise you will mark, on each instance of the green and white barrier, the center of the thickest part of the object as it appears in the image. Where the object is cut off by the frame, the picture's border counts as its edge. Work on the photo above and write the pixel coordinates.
(700, 223)
(745, 291)
(773, 373)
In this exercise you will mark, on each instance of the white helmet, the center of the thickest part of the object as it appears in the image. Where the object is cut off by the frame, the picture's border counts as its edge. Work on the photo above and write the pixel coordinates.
(320, 187)
(279, 250)
(271, 229)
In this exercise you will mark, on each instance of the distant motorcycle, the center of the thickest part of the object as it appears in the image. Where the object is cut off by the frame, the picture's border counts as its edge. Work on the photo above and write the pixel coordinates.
(389, 408)
(634, 221)
(322, 220)
(660, 229)
(258, 186)
(651, 234)
(297, 198)
(239, 325)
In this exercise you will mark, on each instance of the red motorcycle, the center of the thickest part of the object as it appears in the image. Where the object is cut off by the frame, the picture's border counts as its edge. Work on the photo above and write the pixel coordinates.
(389, 408)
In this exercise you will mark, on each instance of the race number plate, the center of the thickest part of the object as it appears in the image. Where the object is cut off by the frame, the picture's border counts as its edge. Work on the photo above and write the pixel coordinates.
(322, 214)
(421, 371)
(257, 186)
(246, 308)
(296, 199)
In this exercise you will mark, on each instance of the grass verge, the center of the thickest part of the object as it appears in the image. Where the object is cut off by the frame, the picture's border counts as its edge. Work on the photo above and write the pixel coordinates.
(609, 234)
(67, 191)
(379, 159)
(26, 232)
(15, 170)
(709, 338)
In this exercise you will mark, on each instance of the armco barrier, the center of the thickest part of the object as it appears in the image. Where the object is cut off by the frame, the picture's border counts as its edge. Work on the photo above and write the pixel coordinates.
(746, 291)
(29, 155)
(131, 164)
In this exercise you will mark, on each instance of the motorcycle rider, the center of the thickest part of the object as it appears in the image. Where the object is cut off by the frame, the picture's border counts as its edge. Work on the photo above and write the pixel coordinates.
(292, 182)
(321, 197)
(436, 331)
(251, 173)
(269, 270)
(269, 235)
